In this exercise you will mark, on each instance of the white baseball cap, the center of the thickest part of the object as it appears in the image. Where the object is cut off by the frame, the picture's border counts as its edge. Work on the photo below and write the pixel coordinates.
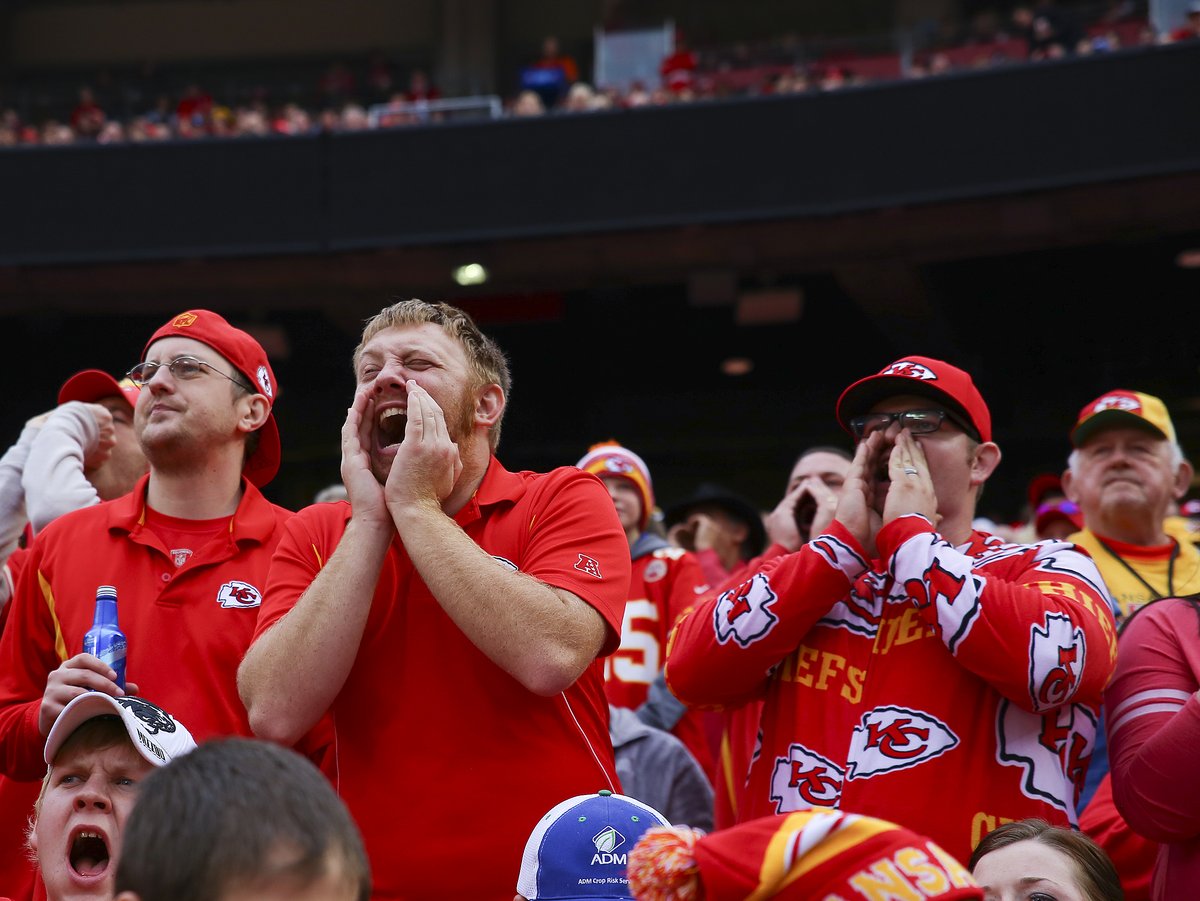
(157, 735)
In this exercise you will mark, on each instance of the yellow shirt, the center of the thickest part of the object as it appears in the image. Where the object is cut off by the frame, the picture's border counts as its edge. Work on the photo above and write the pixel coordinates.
(1127, 590)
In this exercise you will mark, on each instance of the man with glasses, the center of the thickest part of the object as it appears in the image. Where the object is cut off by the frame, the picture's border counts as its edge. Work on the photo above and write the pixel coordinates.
(187, 550)
(911, 667)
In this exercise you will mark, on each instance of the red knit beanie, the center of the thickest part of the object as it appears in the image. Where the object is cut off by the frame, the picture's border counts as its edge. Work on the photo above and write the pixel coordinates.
(608, 458)
(810, 854)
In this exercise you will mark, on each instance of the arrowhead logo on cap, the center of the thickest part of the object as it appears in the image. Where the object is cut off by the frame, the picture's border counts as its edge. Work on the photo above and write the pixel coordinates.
(911, 370)
(264, 381)
(183, 320)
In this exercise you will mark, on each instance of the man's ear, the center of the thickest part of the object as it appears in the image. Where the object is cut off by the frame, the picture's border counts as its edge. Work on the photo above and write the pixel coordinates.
(253, 411)
(987, 458)
(1068, 485)
(1183, 479)
(489, 405)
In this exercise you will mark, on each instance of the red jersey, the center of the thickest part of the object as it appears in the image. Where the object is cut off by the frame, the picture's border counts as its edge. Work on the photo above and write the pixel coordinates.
(739, 734)
(187, 627)
(948, 688)
(665, 583)
(445, 760)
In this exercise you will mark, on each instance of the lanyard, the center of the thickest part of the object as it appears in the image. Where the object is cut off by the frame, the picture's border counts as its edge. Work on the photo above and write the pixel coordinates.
(1170, 570)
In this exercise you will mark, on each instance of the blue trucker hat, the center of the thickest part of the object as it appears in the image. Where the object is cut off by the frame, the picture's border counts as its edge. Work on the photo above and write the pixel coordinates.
(580, 849)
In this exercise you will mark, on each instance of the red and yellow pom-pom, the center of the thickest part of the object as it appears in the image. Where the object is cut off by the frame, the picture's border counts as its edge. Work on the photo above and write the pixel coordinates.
(662, 866)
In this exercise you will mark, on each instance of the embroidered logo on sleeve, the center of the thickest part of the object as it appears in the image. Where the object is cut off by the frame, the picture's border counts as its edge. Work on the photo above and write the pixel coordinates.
(805, 779)
(239, 594)
(743, 613)
(896, 738)
(589, 565)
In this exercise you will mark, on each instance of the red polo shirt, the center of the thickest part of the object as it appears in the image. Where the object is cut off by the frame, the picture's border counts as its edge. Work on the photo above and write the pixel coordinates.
(444, 759)
(187, 629)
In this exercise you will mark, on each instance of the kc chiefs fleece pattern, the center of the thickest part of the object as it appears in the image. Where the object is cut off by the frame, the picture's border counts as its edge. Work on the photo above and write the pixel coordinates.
(949, 689)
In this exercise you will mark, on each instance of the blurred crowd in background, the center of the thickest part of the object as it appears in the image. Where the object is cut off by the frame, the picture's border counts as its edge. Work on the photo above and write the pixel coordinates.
(153, 104)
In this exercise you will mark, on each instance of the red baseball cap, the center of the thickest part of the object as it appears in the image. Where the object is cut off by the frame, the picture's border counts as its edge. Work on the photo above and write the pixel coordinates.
(949, 385)
(248, 358)
(1123, 409)
(90, 385)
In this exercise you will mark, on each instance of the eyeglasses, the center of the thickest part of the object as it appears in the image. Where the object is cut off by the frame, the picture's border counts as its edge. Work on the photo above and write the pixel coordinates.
(918, 422)
(182, 368)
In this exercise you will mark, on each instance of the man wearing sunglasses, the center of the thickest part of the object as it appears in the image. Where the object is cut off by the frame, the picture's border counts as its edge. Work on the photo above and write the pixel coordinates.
(187, 550)
(911, 667)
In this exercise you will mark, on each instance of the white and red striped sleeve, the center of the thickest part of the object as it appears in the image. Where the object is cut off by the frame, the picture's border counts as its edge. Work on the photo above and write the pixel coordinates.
(1153, 720)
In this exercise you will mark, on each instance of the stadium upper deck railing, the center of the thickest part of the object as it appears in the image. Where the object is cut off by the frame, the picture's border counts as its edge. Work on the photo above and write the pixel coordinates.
(486, 106)
(967, 136)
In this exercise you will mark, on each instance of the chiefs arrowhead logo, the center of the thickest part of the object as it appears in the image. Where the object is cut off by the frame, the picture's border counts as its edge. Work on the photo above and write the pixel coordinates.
(1122, 402)
(896, 738)
(264, 381)
(805, 779)
(239, 594)
(183, 320)
(1056, 657)
(656, 570)
(1052, 749)
(743, 613)
(911, 370)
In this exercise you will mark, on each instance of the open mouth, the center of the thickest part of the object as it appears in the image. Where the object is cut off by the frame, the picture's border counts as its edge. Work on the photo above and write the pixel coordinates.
(89, 855)
(391, 425)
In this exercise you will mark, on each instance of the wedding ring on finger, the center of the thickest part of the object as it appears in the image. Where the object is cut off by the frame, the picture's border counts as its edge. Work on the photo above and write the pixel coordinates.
(909, 471)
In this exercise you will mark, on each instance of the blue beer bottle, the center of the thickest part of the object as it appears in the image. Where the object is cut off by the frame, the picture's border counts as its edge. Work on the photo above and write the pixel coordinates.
(105, 638)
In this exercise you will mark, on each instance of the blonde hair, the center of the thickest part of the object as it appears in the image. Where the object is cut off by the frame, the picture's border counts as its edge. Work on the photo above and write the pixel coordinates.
(488, 364)
(96, 734)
